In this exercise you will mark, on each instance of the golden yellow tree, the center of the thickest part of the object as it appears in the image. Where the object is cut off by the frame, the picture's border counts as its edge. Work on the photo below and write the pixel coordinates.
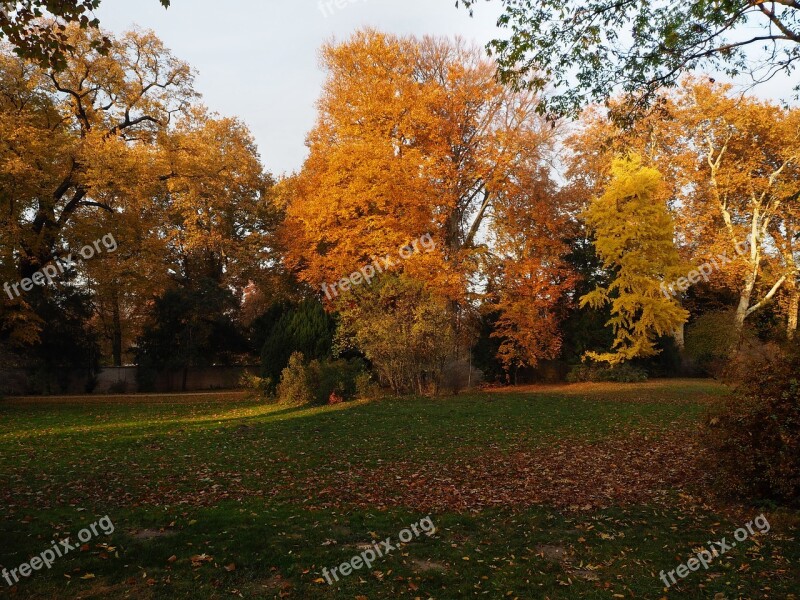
(635, 239)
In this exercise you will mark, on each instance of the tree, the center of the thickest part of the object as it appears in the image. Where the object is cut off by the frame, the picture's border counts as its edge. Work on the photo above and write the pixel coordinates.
(304, 327)
(189, 327)
(37, 29)
(417, 137)
(635, 236)
(731, 175)
(586, 51)
(403, 329)
(532, 279)
(116, 143)
(742, 157)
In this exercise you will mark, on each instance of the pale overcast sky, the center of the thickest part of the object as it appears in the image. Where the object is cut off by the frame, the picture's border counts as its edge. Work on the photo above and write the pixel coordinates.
(258, 59)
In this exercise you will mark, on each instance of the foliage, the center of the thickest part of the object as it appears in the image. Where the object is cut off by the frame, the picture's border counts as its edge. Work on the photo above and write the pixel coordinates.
(731, 177)
(189, 328)
(117, 143)
(366, 387)
(258, 386)
(304, 327)
(583, 327)
(625, 373)
(295, 387)
(404, 331)
(416, 136)
(532, 279)
(68, 344)
(485, 350)
(635, 236)
(754, 442)
(321, 381)
(458, 376)
(711, 341)
(585, 51)
(36, 28)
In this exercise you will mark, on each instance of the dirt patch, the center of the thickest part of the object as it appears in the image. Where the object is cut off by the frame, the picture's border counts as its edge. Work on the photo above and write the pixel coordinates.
(555, 554)
(584, 574)
(426, 566)
(146, 535)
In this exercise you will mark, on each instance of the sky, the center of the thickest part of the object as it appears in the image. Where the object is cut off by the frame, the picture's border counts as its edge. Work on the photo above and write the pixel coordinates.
(258, 59)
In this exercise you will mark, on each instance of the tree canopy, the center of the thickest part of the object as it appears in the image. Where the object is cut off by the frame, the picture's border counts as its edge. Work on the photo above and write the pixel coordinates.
(588, 51)
(37, 29)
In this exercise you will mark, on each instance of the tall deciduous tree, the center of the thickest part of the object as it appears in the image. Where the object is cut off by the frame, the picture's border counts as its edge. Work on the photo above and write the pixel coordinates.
(414, 137)
(732, 176)
(117, 143)
(635, 237)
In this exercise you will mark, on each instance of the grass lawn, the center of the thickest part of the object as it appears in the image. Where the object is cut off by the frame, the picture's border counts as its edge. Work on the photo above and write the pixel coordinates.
(585, 491)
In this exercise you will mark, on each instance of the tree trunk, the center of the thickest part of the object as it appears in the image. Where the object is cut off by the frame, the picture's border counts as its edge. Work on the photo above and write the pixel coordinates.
(116, 331)
(744, 302)
(794, 306)
(680, 336)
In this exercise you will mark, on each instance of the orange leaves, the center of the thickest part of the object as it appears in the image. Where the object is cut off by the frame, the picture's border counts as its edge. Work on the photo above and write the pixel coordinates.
(416, 136)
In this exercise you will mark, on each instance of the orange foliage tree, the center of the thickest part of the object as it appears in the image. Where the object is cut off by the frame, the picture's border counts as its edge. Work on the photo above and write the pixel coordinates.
(415, 136)
(117, 143)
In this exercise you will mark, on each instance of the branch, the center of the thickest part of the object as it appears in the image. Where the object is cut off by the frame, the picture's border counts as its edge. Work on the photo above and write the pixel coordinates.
(478, 219)
(791, 35)
(768, 297)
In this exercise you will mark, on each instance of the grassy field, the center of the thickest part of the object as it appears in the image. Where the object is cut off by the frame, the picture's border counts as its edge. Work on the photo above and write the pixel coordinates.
(585, 491)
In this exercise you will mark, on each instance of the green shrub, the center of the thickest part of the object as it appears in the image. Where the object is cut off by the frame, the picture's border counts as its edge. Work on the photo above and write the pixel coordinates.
(334, 381)
(305, 327)
(320, 382)
(366, 387)
(594, 373)
(295, 386)
(257, 386)
(754, 441)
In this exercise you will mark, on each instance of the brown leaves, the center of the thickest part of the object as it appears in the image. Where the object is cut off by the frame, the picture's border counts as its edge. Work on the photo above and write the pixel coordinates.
(199, 559)
(572, 476)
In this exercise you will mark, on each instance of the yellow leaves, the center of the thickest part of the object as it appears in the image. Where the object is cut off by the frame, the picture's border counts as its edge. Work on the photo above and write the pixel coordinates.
(635, 237)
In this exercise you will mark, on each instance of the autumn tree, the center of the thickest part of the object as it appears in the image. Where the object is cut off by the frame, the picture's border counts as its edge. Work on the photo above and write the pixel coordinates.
(117, 143)
(589, 51)
(635, 237)
(731, 179)
(742, 154)
(416, 136)
(531, 277)
(403, 329)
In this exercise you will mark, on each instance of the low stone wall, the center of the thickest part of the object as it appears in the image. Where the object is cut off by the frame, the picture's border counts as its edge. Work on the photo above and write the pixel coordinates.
(118, 380)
